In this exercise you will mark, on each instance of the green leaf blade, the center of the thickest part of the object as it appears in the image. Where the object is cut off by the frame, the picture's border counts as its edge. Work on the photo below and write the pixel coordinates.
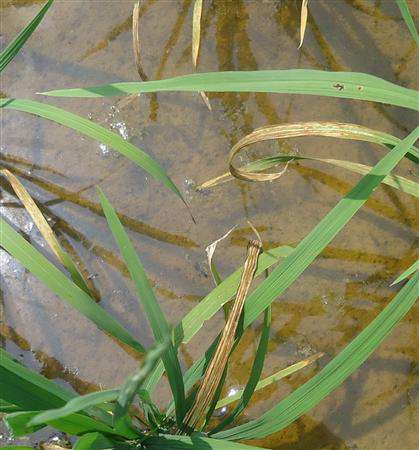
(66, 289)
(8, 54)
(352, 85)
(155, 316)
(94, 131)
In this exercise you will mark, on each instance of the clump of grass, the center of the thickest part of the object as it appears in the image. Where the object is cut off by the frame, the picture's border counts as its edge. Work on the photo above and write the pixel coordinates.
(127, 417)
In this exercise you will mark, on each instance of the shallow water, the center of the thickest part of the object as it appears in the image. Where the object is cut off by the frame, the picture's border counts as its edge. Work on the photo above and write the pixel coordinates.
(85, 43)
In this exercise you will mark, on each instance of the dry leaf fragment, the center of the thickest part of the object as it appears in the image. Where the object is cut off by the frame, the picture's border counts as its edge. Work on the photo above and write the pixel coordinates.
(303, 22)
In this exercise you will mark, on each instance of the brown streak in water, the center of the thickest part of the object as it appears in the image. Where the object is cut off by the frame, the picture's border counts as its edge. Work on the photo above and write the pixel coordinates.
(133, 224)
(368, 10)
(343, 188)
(112, 259)
(167, 49)
(116, 32)
(31, 165)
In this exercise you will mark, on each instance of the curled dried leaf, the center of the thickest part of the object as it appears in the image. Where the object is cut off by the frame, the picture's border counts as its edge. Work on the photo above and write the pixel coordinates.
(252, 171)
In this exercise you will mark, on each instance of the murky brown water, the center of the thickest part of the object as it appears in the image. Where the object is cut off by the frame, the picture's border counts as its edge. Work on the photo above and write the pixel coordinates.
(89, 42)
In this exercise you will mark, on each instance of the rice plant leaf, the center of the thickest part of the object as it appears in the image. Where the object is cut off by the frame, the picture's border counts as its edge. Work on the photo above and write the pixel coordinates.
(91, 129)
(255, 373)
(196, 442)
(135, 381)
(271, 379)
(46, 230)
(27, 389)
(13, 48)
(62, 286)
(407, 16)
(333, 374)
(158, 322)
(355, 85)
(413, 268)
(303, 20)
(75, 424)
(312, 245)
(76, 404)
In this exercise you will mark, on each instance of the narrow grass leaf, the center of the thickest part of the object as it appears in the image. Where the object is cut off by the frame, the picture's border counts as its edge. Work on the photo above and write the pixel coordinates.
(303, 20)
(395, 181)
(255, 373)
(62, 286)
(330, 377)
(158, 323)
(355, 85)
(13, 48)
(101, 134)
(46, 231)
(7, 407)
(75, 424)
(407, 16)
(76, 404)
(413, 268)
(271, 379)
